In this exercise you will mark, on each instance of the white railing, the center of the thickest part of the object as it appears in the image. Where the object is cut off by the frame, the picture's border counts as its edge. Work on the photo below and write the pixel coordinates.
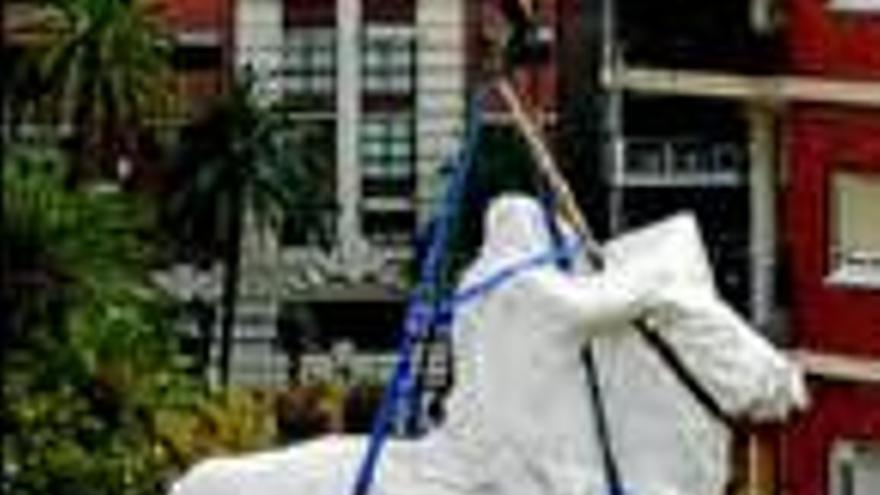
(680, 162)
(363, 367)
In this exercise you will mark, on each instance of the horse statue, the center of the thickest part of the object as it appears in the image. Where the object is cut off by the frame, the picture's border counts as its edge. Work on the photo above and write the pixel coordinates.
(519, 417)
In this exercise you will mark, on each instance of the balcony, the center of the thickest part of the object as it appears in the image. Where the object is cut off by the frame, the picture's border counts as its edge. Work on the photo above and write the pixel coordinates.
(680, 162)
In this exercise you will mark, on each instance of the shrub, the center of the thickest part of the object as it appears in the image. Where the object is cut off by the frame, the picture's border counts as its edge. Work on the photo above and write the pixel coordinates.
(225, 422)
(91, 359)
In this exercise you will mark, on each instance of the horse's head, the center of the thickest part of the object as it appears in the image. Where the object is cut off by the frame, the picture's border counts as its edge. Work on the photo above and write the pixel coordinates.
(736, 364)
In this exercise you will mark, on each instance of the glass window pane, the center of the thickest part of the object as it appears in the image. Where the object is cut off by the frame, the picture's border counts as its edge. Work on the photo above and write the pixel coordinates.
(388, 58)
(323, 59)
(857, 213)
(400, 149)
(855, 468)
(310, 55)
(296, 83)
(387, 147)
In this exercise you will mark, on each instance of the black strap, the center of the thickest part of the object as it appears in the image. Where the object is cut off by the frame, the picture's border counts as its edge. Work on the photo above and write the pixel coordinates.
(682, 373)
(613, 477)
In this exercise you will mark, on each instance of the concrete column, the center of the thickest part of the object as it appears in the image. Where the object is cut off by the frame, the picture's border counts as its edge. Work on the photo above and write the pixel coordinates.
(259, 26)
(613, 118)
(348, 122)
(440, 91)
(763, 221)
(255, 359)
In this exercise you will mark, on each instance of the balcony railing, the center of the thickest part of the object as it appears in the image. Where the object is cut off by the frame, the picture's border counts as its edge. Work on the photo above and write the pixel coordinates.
(651, 162)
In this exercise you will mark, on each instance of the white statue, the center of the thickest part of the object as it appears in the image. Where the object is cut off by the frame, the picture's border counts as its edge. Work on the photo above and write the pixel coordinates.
(519, 418)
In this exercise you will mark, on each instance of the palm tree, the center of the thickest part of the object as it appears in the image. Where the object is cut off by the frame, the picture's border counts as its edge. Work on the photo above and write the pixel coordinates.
(100, 73)
(238, 157)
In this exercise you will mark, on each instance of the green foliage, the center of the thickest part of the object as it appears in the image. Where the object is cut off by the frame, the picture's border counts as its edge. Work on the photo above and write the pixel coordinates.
(242, 155)
(90, 359)
(224, 422)
(101, 71)
(240, 158)
(77, 248)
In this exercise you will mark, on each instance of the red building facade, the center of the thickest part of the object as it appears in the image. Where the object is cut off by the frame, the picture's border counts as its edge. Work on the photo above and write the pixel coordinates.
(832, 220)
(203, 35)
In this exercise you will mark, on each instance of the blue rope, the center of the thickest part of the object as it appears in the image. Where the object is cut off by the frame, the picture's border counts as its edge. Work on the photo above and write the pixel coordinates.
(445, 309)
(425, 307)
(420, 312)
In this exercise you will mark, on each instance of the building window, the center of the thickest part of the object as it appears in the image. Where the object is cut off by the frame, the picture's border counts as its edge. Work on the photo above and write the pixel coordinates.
(311, 220)
(855, 468)
(387, 170)
(310, 60)
(855, 5)
(387, 147)
(197, 57)
(855, 237)
(389, 59)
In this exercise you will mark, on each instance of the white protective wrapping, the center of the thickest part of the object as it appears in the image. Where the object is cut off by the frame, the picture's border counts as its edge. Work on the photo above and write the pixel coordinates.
(519, 419)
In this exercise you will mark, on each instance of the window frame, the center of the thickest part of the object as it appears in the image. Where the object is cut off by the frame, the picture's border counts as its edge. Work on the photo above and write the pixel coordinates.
(843, 268)
(309, 56)
(387, 147)
(387, 153)
(388, 59)
(867, 7)
(845, 458)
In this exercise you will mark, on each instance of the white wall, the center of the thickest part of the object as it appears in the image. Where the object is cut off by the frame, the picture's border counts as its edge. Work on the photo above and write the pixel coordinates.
(440, 87)
(255, 359)
(348, 111)
(259, 34)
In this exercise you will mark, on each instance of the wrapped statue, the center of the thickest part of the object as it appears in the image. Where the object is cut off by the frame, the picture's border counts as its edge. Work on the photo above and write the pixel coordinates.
(519, 419)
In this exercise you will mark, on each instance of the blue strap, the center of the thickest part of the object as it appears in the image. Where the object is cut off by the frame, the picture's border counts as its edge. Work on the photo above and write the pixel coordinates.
(425, 308)
(494, 281)
(420, 312)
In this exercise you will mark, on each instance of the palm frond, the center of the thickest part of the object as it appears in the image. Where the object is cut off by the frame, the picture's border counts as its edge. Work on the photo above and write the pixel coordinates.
(107, 64)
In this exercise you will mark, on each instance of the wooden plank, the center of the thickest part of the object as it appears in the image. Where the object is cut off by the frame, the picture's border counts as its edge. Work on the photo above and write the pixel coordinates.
(839, 367)
(534, 136)
(769, 89)
(754, 463)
